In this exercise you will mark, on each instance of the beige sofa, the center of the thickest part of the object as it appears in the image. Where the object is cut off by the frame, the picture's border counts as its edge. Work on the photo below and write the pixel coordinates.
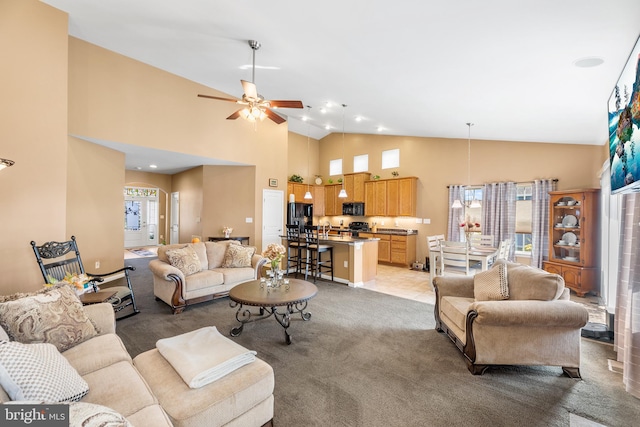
(536, 325)
(147, 391)
(179, 290)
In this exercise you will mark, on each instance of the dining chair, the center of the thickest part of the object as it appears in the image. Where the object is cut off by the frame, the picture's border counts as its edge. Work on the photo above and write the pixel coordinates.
(454, 258)
(433, 242)
(504, 249)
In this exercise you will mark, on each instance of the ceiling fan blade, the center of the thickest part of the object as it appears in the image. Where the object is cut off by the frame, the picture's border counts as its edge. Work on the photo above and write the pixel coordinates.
(286, 104)
(273, 116)
(217, 97)
(250, 90)
(235, 115)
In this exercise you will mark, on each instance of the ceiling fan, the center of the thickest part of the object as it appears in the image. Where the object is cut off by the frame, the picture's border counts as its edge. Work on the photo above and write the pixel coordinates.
(255, 107)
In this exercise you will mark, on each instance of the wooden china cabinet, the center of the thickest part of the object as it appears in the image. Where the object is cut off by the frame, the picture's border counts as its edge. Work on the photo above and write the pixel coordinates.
(574, 239)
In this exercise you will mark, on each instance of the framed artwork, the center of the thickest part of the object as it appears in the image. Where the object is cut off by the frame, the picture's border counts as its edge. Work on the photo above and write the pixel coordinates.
(273, 182)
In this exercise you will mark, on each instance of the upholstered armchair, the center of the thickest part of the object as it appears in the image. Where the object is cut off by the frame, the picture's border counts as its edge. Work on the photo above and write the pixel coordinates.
(512, 314)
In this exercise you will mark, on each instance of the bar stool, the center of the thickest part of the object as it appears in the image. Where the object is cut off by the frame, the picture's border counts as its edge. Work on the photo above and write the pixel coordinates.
(295, 244)
(315, 250)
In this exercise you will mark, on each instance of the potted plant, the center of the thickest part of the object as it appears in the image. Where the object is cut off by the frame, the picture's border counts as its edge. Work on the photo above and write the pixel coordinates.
(376, 177)
(296, 178)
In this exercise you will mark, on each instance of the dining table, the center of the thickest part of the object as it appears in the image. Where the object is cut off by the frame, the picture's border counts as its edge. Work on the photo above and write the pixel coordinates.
(482, 254)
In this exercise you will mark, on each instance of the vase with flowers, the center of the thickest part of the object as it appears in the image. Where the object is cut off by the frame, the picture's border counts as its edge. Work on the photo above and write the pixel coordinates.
(227, 231)
(469, 226)
(274, 253)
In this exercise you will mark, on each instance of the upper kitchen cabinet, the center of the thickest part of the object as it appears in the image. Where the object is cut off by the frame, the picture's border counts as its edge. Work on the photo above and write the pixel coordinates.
(375, 203)
(391, 197)
(332, 203)
(354, 186)
(401, 196)
(298, 190)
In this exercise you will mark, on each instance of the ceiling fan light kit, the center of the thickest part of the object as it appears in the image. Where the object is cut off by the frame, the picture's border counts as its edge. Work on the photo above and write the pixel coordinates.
(5, 163)
(255, 107)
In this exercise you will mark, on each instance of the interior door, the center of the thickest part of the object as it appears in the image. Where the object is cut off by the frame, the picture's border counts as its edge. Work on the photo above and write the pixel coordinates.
(174, 236)
(272, 217)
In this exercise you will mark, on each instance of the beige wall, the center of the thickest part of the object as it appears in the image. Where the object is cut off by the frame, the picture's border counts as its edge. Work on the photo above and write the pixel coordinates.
(440, 162)
(189, 185)
(298, 157)
(33, 108)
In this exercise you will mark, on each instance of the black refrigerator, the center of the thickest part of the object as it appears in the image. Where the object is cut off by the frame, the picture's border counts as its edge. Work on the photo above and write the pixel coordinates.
(300, 214)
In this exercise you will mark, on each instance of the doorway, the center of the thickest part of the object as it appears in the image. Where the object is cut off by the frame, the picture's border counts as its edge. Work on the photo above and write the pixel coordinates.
(174, 236)
(272, 217)
(140, 217)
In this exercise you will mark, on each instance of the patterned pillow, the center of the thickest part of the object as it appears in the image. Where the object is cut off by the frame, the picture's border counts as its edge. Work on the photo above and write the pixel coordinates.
(38, 372)
(491, 285)
(185, 259)
(53, 315)
(93, 415)
(238, 256)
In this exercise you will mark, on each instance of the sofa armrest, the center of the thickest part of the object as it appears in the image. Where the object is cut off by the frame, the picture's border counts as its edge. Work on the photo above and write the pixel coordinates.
(164, 270)
(102, 316)
(455, 286)
(257, 262)
(529, 313)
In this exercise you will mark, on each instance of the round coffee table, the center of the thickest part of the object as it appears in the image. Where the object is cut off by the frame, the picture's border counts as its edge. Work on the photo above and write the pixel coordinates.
(292, 298)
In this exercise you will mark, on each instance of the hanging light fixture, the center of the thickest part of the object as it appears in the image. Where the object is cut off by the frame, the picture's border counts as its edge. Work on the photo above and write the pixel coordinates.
(343, 192)
(473, 203)
(5, 163)
(308, 195)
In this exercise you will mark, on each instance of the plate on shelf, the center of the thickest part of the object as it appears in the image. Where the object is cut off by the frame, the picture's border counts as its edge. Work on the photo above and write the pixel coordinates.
(569, 221)
(571, 258)
(570, 238)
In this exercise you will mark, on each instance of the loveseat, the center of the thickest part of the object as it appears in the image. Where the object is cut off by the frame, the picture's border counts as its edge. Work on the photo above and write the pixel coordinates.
(186, 274)
(145, 391)
(512, 314)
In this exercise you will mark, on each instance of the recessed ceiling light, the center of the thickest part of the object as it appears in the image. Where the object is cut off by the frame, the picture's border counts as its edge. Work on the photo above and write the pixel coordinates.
(358, 119)
(588, 62)
(323, 110)
(305, 118)
(153, 166)
(380, 129)
(139, 168)
(328, 127)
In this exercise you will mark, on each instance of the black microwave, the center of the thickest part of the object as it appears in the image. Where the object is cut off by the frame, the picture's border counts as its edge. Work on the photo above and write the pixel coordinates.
(353, 209)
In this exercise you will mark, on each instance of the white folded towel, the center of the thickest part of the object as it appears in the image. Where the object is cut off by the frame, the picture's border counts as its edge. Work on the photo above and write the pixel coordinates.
(204, 355)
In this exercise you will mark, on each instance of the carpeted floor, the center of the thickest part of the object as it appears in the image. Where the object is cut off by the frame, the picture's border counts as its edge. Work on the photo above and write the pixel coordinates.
(369, 359)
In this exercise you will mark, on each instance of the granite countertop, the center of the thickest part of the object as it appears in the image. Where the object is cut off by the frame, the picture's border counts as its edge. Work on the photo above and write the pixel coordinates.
(396, 231)
(347, 240)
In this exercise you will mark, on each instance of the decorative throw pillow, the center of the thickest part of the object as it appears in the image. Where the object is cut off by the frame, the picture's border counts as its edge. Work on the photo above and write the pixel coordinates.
(491, 285)
(238, 256)
(53, 315)
(38, 372)
(185, 259)
(92, 415)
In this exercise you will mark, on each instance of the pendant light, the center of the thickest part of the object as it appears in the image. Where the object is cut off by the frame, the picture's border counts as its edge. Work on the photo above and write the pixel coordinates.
(343, 192)
(458, 204)
(308, 195)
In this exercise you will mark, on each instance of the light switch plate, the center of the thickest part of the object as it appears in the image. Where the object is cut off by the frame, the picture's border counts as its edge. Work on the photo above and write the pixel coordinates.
(248, 220)
(427, 220)
(418, 220)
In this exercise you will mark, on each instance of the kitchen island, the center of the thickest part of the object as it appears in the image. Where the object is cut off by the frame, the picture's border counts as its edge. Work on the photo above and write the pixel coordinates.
(355, 259)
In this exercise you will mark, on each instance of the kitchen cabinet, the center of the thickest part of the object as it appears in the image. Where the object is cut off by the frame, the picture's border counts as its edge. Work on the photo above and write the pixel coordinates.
(403, 249)
(298, 190)
(375, 203)
(574, 239)
(318, 200)
(332, 203)
(401, 196)
(354, 186)
(395, 249)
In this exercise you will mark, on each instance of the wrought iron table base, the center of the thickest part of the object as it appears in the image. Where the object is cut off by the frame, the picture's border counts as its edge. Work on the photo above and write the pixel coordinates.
(283, 318)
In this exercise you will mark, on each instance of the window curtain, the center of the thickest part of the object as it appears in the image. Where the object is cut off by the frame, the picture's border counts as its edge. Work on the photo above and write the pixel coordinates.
(453, 228)
(499, 212)
(627, 319)
(540, 220)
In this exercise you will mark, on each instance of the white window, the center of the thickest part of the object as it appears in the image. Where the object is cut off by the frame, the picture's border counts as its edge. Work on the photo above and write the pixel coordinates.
(523, 219)
(361, 163)
(335, 167)
(391, 159)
